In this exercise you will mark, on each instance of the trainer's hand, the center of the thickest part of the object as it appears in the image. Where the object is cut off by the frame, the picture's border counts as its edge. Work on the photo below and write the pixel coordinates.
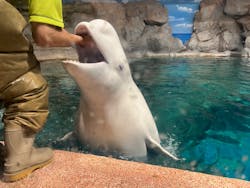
(86, 41)
(50, 36)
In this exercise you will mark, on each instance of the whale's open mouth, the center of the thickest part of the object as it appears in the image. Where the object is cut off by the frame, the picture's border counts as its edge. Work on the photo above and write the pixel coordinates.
(89, 52)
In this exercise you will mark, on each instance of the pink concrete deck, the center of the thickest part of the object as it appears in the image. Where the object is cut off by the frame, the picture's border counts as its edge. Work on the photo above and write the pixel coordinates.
(80, 170)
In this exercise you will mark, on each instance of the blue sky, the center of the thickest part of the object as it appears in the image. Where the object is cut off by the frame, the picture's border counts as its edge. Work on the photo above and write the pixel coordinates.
(181, 14)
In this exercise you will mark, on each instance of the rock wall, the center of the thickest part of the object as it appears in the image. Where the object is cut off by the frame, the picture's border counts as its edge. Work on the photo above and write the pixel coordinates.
(142, 26)
(221, 25)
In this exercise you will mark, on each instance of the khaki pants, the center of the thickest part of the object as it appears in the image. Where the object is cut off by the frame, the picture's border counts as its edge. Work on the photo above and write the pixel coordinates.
(23, 90)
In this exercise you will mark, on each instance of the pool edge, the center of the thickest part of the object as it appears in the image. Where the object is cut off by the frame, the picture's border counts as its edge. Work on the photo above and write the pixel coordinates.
(71, 169)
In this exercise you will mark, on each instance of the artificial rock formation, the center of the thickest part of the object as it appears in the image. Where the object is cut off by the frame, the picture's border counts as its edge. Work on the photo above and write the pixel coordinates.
(221, 25)
(142, 26)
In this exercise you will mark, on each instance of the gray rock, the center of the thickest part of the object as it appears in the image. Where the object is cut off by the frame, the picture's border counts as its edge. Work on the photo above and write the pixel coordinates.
(245, 24)
(237, 8)
(193, 42)
(220, 25)
(142, 26)
(204, 36)
(247, 43)
(246, 53)
(230, 41)
(210, 10)
(204, 46)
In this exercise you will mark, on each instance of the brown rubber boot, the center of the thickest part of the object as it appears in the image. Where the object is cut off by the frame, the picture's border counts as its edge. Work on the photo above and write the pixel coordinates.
(2, 156)
(21, 157)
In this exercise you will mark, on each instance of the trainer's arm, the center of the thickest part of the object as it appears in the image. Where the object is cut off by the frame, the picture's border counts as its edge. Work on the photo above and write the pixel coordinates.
(51, 36)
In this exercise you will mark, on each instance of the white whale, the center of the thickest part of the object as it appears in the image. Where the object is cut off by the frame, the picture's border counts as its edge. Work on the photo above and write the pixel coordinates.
(113, 114)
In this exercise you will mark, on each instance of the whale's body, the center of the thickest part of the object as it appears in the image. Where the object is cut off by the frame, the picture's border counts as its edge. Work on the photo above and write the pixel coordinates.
(113, 114)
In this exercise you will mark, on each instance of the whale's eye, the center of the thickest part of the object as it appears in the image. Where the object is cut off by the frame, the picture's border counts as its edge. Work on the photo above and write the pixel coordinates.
(121, 67)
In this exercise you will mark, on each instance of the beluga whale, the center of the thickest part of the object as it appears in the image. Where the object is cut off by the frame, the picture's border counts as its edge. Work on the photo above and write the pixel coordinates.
(113, 115)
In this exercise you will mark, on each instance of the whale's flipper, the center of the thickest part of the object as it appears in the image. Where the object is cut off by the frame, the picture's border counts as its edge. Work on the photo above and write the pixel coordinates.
(67, 137)
(152, 144)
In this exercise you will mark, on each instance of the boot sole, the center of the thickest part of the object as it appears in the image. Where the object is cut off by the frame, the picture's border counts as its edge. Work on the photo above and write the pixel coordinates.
(12, 177)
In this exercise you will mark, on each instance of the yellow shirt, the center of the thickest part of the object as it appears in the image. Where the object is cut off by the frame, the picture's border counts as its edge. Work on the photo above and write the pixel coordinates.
(46, 11)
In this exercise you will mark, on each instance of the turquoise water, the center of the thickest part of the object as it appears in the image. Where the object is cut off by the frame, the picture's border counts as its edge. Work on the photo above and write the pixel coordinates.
(204, 106)
(201, 107)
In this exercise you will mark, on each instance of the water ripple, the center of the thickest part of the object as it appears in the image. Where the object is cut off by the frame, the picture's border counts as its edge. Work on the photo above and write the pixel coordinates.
(201, 105)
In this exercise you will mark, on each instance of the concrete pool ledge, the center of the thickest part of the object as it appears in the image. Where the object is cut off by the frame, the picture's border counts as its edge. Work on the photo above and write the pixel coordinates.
(84, 170)
(61, 53)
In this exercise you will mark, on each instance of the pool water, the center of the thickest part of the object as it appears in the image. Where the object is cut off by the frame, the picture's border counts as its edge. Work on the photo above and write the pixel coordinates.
(201, 107)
